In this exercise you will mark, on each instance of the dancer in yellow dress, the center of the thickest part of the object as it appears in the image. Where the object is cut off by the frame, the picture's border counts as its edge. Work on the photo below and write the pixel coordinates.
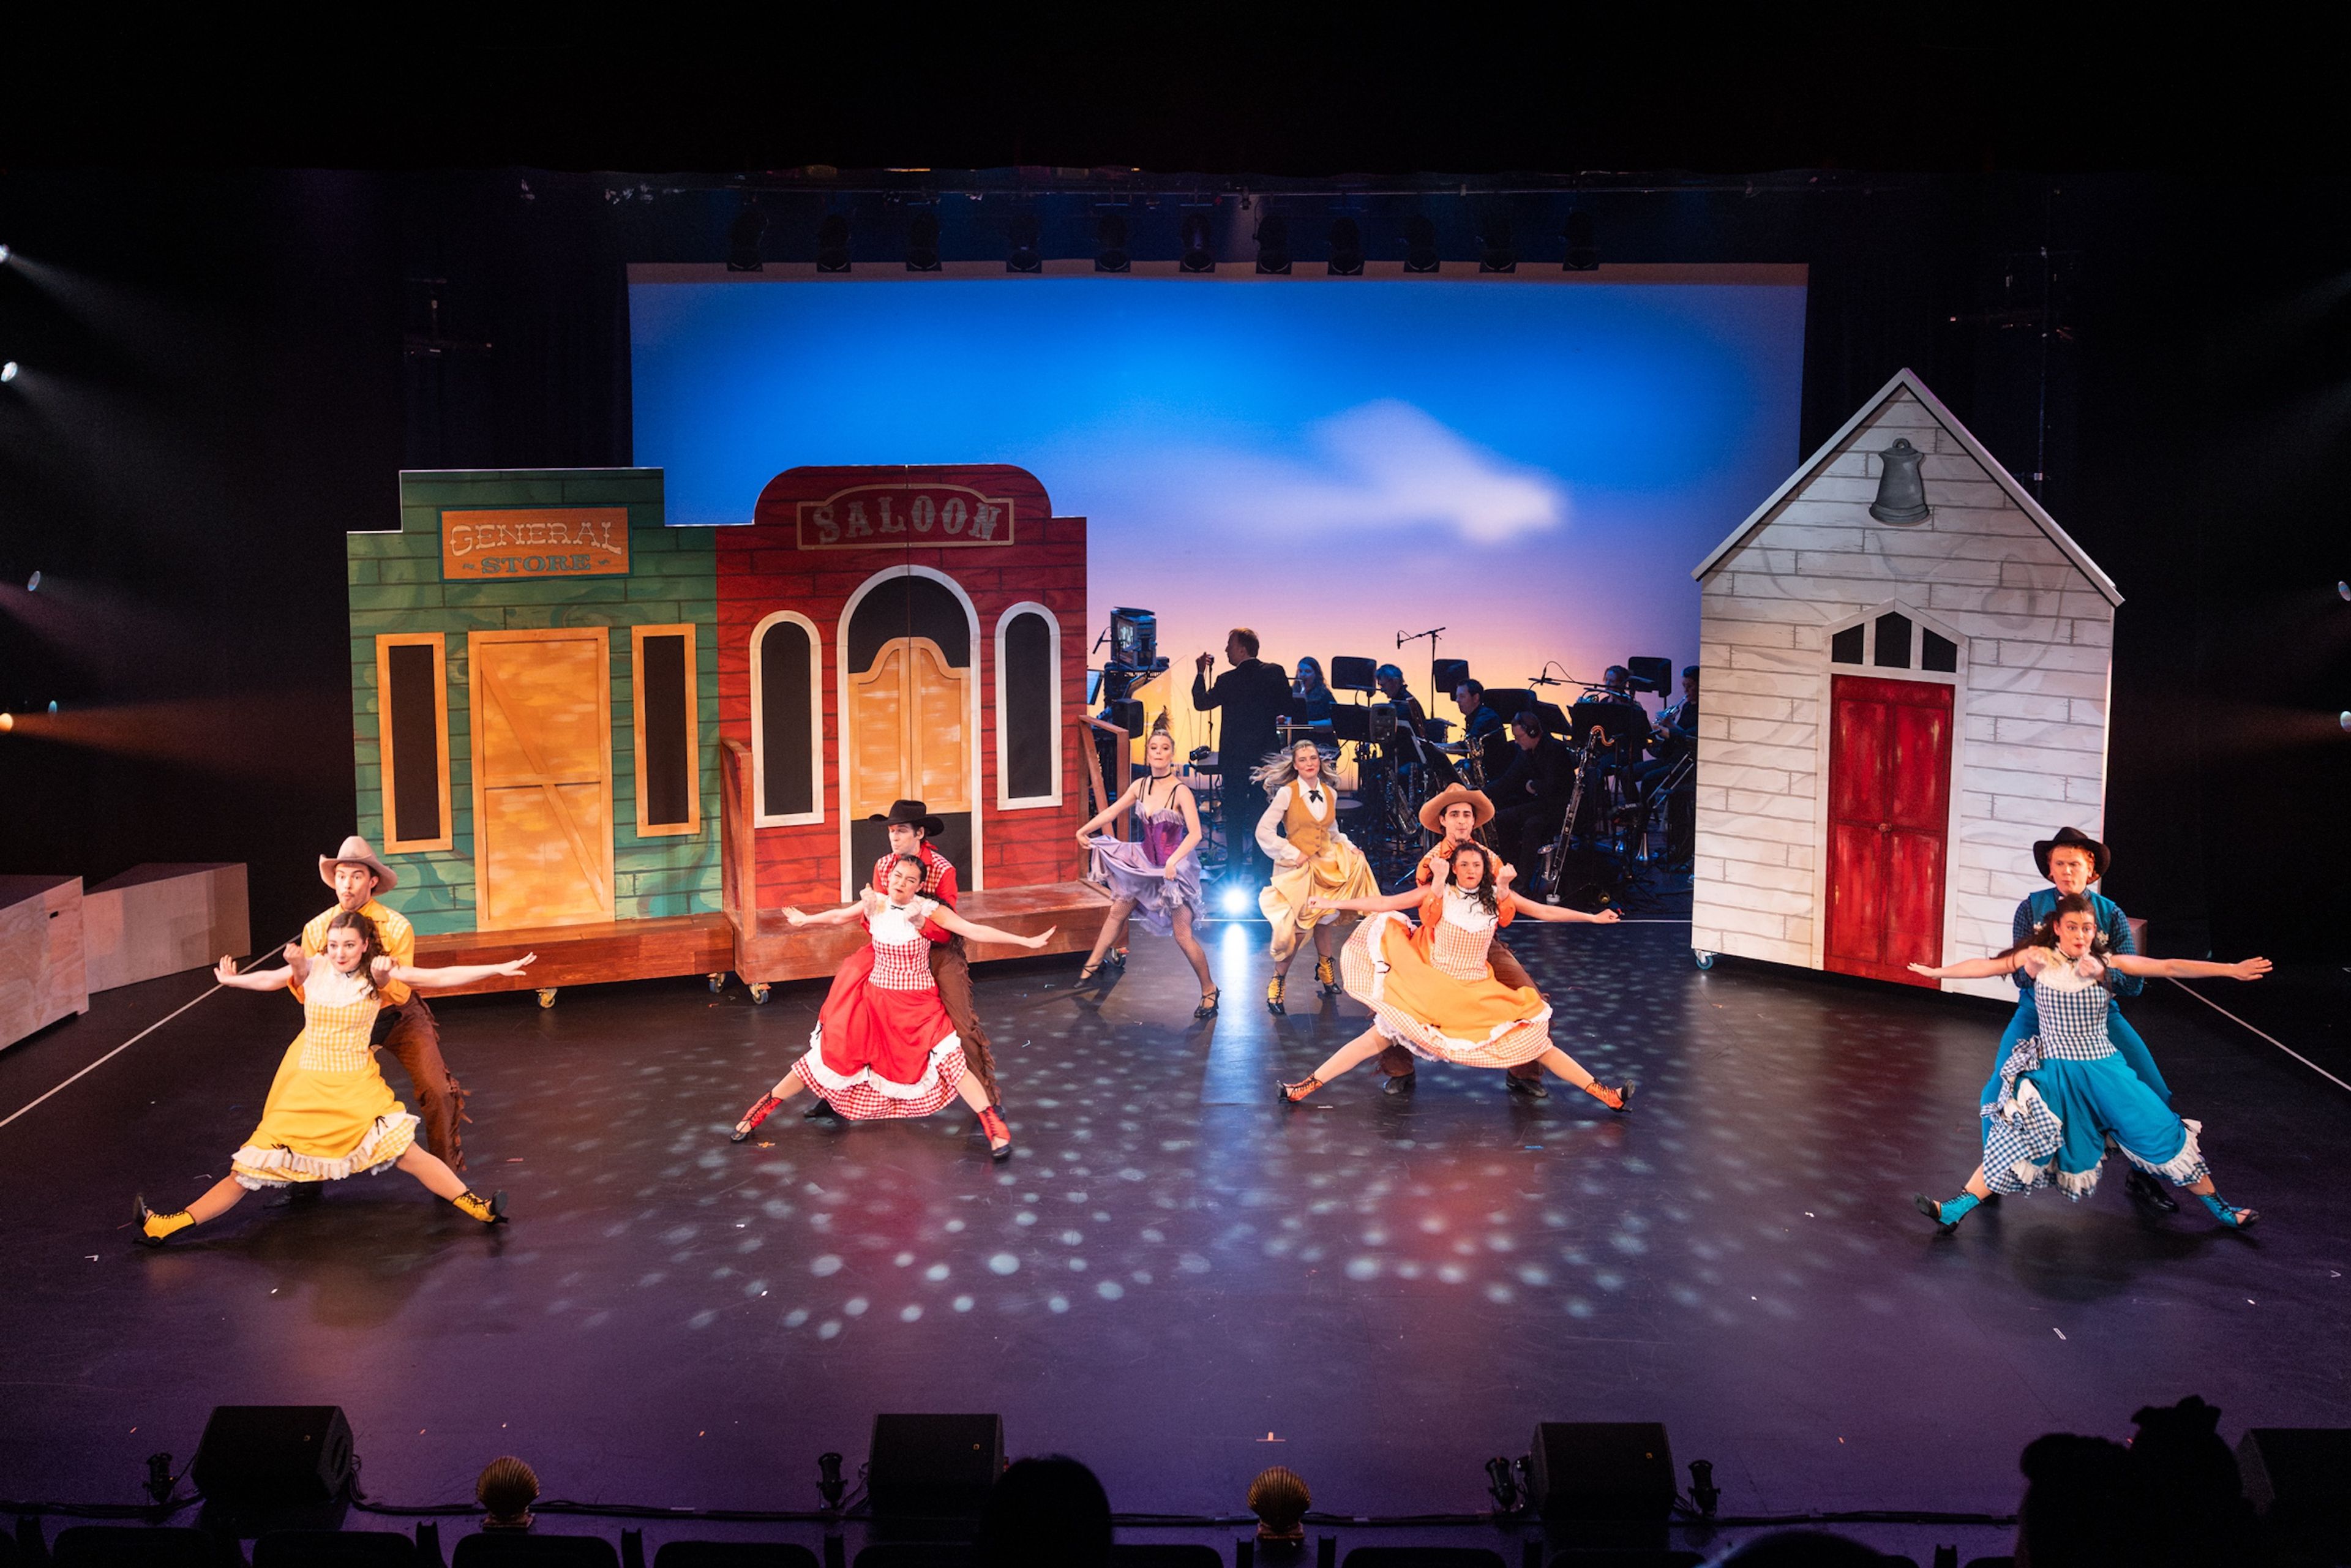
(1431, 989)
(330, 1112)
(1311, 860)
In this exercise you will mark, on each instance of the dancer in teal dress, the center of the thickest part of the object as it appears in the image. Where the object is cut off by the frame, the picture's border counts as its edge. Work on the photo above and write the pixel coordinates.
(2064, 1091)
(2072, 861)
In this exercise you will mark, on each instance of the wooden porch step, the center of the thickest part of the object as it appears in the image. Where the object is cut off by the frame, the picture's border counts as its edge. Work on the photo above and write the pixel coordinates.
(589, 952)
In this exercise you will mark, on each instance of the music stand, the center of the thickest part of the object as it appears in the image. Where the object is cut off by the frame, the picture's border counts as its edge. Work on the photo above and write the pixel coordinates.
(1353, 675)
(1650, 675)
(1509, 704)
(1619, 719)
(1352, 723)
(1553, 718)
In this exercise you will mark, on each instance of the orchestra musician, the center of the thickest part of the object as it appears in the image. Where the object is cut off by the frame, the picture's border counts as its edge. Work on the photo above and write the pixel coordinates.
(1311, 701)
(1530, 798)
(1477, 720)
(1252, 694)
(1674, 739)
(1410, 716)
(1618, 748)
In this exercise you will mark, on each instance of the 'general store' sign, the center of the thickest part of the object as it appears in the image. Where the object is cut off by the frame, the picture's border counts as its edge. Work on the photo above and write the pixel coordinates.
(535, 542)
(879, 517)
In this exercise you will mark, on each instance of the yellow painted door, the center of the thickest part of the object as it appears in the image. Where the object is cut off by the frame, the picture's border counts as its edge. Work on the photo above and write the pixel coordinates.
(542, 770)
(908, 710)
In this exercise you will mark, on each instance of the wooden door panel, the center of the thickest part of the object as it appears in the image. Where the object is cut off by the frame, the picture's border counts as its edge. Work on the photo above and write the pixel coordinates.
(936, 700)
(1889, 805)
(1856, 900)
(1857, 755)
(877, 731)
(1914, 901)
(1920, 798)
(542, 772)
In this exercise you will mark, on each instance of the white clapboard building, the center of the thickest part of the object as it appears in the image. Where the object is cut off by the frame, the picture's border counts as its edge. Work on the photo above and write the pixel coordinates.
(1892, 711)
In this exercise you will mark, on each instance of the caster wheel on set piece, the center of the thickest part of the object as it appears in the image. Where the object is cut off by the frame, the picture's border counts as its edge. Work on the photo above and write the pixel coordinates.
(547, 996)
(718, 984)
(758, 989)
(1703, 960)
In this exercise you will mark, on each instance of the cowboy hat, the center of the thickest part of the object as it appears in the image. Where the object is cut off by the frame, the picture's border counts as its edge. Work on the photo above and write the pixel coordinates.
(1432, 815)
(355, 852)
(912, 814)
(2073, 838)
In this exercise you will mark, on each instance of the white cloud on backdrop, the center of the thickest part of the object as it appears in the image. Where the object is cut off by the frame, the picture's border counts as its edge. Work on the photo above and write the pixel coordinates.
(1385, 465)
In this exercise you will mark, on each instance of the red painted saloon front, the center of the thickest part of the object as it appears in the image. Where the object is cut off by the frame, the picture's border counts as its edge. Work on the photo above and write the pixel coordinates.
(901, 633)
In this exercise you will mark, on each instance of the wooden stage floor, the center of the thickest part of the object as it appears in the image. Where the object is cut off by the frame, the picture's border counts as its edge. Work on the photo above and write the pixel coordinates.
(1176, 1279)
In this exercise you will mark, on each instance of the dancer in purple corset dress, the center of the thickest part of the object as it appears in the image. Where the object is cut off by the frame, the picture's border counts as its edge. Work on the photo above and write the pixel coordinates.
(1158, 876)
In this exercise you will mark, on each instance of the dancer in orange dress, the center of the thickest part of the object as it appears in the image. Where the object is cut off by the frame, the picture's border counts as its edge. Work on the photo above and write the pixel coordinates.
(883, 1046)
(1431, 990)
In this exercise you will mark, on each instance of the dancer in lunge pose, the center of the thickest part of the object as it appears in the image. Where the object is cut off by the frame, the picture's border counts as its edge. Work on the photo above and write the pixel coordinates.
(883, 1045)
(1311, 860)
(1158, 876)
(1431, 991)
(1457, 812)
(2072, 861)
(330, 1112)
(2064, 1091)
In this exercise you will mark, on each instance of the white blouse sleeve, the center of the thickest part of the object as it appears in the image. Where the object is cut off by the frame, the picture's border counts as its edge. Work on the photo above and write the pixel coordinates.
(1267, 839)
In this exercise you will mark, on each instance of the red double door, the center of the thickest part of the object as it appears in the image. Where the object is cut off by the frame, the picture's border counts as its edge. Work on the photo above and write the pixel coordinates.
(1889, 812)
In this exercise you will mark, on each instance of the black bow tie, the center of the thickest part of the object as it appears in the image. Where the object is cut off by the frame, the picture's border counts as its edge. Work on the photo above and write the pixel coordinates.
(1315, 796)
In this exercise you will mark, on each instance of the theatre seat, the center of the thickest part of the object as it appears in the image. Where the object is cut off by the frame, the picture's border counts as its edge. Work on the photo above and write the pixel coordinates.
(733, 1554)
(501, 1548)
(1422, 1557)
(334, 1548)
(137, 1546)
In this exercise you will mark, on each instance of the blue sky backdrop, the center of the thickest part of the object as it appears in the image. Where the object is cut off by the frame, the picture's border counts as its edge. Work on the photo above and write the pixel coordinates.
(1535, 466)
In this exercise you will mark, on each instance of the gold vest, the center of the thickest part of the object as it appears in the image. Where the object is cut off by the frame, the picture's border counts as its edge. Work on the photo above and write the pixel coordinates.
(1307, 836)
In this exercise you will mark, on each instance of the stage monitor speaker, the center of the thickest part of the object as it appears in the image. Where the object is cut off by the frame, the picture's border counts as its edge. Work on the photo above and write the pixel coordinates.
(263, 1456)
(1612, 1472)
(1449, 674)
(934, 1466)
(2299, 1479)
(1127, 713)
(1353, 675)
(1651, 674)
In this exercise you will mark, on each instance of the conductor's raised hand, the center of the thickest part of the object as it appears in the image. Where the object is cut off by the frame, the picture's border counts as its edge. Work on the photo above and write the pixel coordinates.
(1205, 663)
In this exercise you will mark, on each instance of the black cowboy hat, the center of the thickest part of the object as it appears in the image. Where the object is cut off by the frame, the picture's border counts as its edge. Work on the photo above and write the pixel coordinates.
(912, 814)
(2075, 839)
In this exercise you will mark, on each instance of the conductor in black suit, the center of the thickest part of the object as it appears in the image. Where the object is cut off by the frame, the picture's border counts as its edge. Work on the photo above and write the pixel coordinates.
(1252, 694)
(1530, 798)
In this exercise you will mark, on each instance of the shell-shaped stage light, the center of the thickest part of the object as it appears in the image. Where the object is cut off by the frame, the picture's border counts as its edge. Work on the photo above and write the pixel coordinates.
(507, 1487)
(1279, 1499)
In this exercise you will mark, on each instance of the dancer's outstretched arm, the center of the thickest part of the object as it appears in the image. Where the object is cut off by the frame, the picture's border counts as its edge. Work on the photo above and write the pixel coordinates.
(1558, 912)
(2029, 958)
(946, 919)
(1408, 899)
(298, 966)
(2177, 968)
(448, 975)
(842, 916)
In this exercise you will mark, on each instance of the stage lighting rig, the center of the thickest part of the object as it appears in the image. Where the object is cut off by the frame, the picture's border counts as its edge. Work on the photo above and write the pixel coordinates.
(833, 244)
(5, 254)
(1498, 255)
(1023, 231)
(743, 238)
(1197, 256)
(1346, 249)
(1273, 245)
(923, 242)
(1582, 249)
(8, 370)
(33, 583)
(1420, 246)
(1110, 245)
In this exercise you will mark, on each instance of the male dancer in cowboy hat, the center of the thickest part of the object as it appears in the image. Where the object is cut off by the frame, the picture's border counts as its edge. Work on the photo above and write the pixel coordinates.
(406, 1026)
(912, 827)
(1456, 812)
(2072, 861)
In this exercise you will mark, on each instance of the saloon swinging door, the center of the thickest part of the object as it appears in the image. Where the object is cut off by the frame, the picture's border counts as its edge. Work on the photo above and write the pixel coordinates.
(909, 676)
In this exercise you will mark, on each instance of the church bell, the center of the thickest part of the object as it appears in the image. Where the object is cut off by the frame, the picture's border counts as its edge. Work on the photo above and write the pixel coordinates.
(1901, 493)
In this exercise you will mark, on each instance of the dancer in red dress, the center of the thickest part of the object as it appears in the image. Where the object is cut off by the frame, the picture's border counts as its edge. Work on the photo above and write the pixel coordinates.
(883, 1045)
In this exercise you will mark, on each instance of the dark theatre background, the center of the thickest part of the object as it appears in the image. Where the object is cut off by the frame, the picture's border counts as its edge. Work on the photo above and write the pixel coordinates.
(226, 371)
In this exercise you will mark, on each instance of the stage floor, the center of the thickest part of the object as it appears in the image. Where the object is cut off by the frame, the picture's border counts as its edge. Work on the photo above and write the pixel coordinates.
(1175, 1279)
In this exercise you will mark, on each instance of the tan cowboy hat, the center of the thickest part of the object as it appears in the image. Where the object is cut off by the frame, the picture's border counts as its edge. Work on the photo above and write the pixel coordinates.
(355, 852)
(1432, 816)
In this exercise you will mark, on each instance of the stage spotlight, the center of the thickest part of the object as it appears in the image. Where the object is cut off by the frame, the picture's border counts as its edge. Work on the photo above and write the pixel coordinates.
(5, 254)
(1110, 245)
(1023, 231)
(743, 238)
(1419, 246)
(8, 721)
(2343, 589)
(8, 371)
(33, 583)
(2344, 718)
(1582, 249)
(833, 244)
(923, 242)
(1497, 255)
(1235, 900)
(1346, 249)
(1273, 244)
(1197, 258)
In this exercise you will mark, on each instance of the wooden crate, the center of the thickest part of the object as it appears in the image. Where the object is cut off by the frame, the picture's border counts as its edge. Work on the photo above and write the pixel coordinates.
(160, 919)
(41, 974)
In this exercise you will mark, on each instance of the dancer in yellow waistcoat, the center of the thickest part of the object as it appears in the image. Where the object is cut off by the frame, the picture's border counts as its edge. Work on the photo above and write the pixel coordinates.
(1311, 860)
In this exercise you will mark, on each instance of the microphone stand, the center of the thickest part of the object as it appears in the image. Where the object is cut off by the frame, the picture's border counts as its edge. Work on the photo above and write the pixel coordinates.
(1404, 637)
